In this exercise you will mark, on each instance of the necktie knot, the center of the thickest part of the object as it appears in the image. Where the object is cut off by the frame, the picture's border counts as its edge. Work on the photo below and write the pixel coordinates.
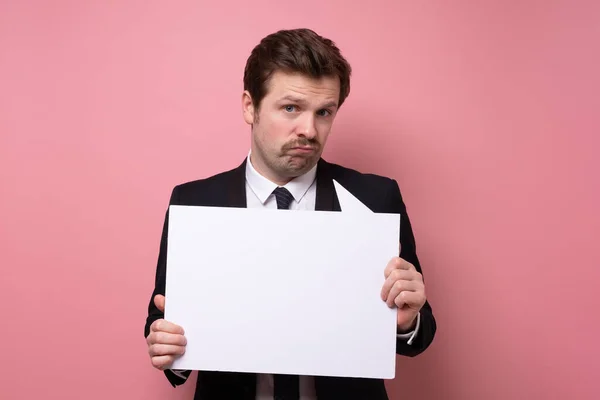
(284, 198)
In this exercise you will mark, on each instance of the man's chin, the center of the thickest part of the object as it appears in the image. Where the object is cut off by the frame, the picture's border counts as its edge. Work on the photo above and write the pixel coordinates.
(308, 160)
(297, 166)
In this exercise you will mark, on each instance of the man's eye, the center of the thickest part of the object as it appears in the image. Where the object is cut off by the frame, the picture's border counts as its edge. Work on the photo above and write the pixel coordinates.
(290, 108)
(323, 113)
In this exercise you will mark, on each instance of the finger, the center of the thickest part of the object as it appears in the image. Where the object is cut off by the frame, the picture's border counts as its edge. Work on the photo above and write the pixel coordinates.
(159, 302)
(397, 263)
(166, 350)
(393, 264)
(166, 338)
(410, 299)
(160, 325)
(399, 287)
(395, 275)
(162, 362)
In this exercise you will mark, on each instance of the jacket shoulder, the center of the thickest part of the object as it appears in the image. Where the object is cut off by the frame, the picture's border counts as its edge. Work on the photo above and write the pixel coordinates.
(204, 190)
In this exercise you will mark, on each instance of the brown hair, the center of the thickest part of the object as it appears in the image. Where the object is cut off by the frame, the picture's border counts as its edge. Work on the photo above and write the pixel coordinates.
(297, 50)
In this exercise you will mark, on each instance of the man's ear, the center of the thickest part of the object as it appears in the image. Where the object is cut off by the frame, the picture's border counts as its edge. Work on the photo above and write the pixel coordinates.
(248, 108)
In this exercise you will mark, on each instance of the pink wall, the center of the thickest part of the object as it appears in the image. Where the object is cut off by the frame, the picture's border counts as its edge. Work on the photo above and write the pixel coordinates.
(485, 112)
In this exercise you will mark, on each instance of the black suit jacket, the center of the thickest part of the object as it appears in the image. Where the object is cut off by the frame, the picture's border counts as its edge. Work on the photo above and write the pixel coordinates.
(228, 189)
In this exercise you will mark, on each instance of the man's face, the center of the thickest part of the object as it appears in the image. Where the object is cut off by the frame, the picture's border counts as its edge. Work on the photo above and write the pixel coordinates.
(290, 129)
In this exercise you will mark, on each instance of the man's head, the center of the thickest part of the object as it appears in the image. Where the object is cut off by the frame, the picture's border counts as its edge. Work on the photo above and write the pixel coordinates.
(295, 81)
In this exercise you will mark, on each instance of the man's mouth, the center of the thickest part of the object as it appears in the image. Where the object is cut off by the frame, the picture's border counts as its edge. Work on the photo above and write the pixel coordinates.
(303, 149)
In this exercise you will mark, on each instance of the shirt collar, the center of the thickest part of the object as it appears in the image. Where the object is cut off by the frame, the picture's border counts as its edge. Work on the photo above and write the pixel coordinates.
(263, 188)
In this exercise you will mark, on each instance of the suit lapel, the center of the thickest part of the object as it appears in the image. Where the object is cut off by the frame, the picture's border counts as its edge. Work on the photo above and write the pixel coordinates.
(326, 199)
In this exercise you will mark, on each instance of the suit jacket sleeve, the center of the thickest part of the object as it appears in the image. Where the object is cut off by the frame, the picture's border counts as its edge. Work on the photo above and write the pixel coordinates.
(159, 287)
(408, 252)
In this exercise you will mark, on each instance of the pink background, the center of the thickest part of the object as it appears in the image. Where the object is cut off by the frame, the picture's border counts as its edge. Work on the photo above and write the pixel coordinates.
(485, 112)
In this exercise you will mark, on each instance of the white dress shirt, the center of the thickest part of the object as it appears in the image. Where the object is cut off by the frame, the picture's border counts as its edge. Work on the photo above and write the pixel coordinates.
(259, 194)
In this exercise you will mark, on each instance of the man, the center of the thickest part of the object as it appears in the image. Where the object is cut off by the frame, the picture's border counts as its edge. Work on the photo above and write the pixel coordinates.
(295, 82)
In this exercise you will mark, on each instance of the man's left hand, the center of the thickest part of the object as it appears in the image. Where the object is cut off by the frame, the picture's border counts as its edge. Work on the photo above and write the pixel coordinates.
(403, 288)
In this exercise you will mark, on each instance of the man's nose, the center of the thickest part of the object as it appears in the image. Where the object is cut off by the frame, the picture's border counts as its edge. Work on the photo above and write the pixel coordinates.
(307, 127)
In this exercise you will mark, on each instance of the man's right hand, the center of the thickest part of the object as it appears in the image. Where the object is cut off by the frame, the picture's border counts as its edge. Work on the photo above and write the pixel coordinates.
(166, 340)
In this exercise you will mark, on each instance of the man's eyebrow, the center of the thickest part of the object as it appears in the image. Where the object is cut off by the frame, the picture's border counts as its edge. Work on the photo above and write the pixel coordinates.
(298, 100)
(293, 99)
(331, 104)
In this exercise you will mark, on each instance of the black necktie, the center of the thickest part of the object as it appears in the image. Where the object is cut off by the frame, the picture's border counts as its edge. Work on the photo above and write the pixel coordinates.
(284, 198)
(285, 387)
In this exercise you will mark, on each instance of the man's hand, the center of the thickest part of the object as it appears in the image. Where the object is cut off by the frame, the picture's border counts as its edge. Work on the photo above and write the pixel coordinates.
(403, 288)
(166, 340)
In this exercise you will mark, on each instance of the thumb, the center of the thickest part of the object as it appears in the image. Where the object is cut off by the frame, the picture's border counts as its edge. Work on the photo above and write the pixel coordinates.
(159, 302)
